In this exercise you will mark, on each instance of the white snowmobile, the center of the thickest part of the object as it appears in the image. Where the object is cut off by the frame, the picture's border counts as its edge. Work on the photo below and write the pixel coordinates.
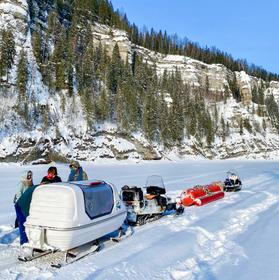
(232, 182)
(71, 217)
(151, 205)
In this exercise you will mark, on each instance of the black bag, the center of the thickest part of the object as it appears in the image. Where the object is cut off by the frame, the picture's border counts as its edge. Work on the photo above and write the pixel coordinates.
(155, 190)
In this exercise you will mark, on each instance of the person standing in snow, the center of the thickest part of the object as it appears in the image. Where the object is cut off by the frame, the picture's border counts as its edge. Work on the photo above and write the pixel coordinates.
(76, 173)
(22, 207)
(26, 181)
(52, 176)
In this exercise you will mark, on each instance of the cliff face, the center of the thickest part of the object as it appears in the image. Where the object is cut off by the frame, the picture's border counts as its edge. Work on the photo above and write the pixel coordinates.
(67, 135)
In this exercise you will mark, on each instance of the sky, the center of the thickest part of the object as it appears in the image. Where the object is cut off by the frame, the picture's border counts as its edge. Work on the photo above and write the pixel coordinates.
(243, 28)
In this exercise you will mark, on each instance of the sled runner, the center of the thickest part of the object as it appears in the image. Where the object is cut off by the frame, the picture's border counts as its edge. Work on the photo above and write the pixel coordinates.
(66, 216)
(149, 206)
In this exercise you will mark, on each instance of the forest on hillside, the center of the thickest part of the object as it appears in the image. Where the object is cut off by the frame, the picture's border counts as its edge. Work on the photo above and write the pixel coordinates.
(128, 93)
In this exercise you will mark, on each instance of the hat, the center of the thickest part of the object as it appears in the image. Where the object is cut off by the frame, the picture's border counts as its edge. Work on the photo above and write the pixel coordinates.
(74, 163)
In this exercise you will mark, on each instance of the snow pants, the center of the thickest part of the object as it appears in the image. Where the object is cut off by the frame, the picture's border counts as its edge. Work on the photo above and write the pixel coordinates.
(21, 220)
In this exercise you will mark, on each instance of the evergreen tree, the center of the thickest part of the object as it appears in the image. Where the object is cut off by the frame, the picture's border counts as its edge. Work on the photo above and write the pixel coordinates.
(22, 75)
(22, 79)
(150, 106)
(121, 108)
(103, 106)
(150, 116)
(88, 107)
(7, 52)
(115, 70)
(235, 89)
(58, 60)
(37, 45)
(273, 111)
(164, 125)
(176, 115)
(114, 77)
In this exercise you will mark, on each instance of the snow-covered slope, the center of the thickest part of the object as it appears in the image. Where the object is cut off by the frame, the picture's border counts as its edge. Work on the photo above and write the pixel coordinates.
(68, 134)
(237, 235)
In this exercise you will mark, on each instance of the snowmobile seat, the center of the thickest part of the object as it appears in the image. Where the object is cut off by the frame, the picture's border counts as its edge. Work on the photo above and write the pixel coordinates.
(150, 196)
(155, 190)
(162, 201)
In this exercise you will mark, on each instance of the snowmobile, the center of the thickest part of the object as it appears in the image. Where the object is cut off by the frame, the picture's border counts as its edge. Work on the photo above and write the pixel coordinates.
(71, 217)
(151, 205)
(232, 182)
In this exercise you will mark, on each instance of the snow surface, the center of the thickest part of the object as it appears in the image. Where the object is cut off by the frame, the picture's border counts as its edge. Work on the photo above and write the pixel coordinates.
(233, 237)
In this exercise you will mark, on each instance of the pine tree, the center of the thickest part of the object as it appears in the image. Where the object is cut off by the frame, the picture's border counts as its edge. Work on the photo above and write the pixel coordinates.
(37, 45)
(115, 70)
(273, 111)
(22, 79)
(22, 76)
(150, 106)
(59, 62)
(114, 77)
(235, 89)
(88, 107)
(121, 108)
(103, 106)
(164, 125)
(7, 52)
(150, 116)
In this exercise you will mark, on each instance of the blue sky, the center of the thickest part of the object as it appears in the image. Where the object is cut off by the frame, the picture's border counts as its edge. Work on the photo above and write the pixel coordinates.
(246, 29)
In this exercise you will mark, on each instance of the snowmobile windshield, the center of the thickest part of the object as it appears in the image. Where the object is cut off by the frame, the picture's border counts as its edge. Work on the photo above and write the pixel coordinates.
(98, 199)
(155, 181)
(232, 174)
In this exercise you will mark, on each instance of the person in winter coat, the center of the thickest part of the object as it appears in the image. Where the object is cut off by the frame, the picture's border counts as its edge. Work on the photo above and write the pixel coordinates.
(76, 173)
(22, 207)
(26, 181)
(52, 176)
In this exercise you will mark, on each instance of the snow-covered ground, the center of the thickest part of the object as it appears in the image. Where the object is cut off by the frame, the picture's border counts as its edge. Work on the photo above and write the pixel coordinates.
(236, 237)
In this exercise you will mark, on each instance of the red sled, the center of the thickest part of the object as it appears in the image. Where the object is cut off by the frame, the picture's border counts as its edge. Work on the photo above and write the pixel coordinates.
(201, 195)
(209, 198)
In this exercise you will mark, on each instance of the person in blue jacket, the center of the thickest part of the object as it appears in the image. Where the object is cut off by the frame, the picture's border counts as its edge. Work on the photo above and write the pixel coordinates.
(76, 173)
(26, 181)
(22, 207)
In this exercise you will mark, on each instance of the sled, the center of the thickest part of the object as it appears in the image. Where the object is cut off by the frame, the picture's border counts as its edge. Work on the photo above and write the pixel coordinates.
(200, 195)
(64, 216)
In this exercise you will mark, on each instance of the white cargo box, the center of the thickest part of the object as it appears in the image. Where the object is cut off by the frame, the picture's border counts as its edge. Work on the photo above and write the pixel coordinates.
(67, 215)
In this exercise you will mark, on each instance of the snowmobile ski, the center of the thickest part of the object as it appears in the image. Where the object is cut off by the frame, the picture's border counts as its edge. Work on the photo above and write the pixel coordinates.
(76, 254)
(35, 254)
